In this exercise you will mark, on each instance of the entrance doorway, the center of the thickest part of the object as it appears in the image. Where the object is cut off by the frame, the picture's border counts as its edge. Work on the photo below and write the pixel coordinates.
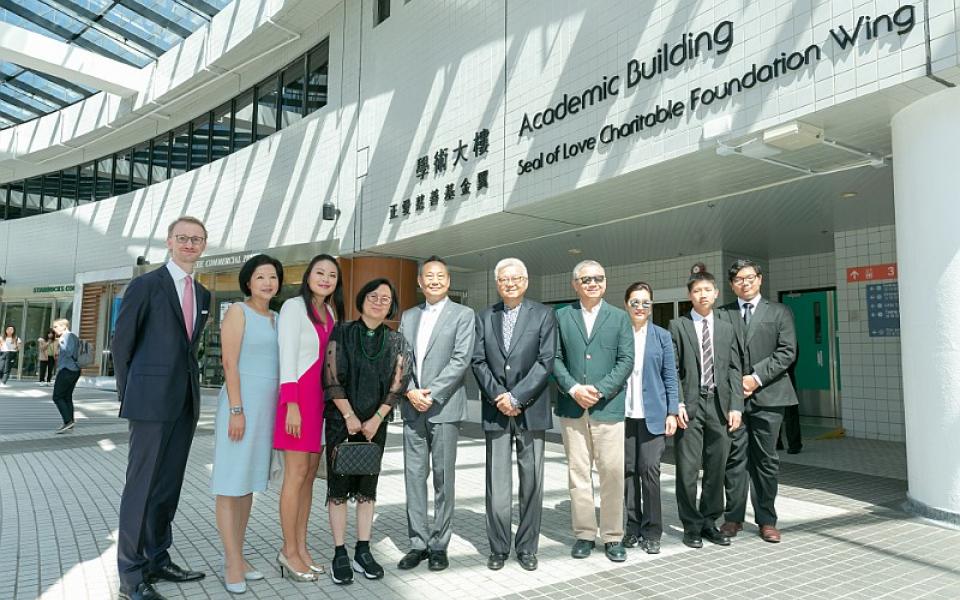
(816, 371)
(670, 304)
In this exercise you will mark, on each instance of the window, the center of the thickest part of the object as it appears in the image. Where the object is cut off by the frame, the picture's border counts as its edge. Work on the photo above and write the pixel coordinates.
(140, 166)
(68, 187)
(381, 11)
(15, 202)
(266, 116)
(292, 93)
(161, 158)
(317, 61)
(221, 132)
(103, 185)
(85, 193)
(31, 196)
(179, 150)
(51, 192)
(243, 121)
(200, 141)
(122, 183)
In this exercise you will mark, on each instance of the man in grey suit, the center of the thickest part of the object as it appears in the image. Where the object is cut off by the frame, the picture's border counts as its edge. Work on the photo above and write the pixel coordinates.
(441, 334)
(770, 347)
(512, 361)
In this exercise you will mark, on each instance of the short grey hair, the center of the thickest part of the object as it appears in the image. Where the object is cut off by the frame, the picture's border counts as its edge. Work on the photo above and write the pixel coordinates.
(585, 263)
(510, 262)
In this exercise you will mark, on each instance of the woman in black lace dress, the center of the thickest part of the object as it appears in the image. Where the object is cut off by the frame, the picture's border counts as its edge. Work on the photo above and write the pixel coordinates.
(364, 376)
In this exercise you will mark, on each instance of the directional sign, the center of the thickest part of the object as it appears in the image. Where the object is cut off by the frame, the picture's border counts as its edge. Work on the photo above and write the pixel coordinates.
(868, 273)
(883, 310)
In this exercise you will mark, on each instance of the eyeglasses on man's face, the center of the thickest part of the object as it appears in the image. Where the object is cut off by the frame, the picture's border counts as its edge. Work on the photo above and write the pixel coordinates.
(587, 279)
(748, 279)
(637, 304)
(377, 299)
(196, 240)
(514, 279)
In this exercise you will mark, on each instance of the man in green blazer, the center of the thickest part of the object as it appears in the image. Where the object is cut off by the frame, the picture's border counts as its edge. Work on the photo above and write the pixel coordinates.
(594, 360)
(770, 347)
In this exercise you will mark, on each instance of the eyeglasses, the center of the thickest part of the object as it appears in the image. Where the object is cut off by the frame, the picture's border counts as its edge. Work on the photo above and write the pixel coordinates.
(637, 304)
(381, 300)
(586, 279)
(749, 279)
(515, 279)
(196, 240)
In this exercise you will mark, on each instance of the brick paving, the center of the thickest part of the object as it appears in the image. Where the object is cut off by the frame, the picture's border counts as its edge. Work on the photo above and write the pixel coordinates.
(845, 534)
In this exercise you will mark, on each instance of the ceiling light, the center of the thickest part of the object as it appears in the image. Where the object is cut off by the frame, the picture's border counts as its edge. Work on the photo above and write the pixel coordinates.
(574, 251)
(792, 136)
(758, 149)
(848, 195)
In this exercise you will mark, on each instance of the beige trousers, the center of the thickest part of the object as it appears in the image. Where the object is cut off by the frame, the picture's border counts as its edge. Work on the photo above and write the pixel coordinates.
(587, 443)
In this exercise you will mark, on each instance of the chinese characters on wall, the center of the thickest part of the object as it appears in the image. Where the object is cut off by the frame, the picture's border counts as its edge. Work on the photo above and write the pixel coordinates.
(445, 162)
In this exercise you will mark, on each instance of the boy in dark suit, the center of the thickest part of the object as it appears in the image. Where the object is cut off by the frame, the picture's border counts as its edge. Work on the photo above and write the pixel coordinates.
(709, 359)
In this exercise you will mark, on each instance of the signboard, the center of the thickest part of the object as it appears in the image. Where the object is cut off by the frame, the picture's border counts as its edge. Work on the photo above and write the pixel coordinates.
(883, 309)
(872, 273)
(53, 289)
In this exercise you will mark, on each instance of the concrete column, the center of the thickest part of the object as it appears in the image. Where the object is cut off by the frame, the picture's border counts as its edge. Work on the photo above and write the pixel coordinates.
(926, 147)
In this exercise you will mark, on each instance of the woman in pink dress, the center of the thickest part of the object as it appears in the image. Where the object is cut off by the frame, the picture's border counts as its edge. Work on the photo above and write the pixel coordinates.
(304, 328)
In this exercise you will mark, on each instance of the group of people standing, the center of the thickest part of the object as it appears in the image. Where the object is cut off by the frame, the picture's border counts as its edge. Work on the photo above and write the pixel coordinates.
(304, 381)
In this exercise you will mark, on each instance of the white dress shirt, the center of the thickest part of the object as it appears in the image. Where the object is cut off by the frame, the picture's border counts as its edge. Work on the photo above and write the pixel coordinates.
(590, 316)
(635, 381)
(698, 325)
(179, 282)
(428, 320)
(753, 303)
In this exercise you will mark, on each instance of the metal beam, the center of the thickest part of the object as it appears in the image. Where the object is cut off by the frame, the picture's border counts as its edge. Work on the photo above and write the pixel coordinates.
(61, 82)
(35, 51)
(34, 91)
(106, 27)
(13, 100)
(199, 5)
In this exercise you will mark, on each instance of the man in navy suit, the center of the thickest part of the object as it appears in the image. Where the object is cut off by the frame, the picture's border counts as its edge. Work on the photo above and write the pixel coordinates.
(158, 380)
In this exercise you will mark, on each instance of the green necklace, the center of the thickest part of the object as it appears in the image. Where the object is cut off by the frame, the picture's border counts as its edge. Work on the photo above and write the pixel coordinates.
(383, 344)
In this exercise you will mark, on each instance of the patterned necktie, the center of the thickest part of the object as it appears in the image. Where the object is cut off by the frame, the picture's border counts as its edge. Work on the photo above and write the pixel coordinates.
(509, 321)
(747, 314)
(707, 347)
(187, 305)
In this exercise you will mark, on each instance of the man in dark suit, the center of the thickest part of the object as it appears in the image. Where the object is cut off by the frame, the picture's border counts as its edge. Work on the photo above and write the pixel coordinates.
(513, 358)
(770, 347)
(594, 359)
(708, 359)
(155, 359)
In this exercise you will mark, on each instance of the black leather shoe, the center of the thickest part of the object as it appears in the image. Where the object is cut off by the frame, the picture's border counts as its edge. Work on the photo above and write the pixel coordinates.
(495, 561)
(630, 541)
(794, 450)
(438, 560)
(713, 534)
(582, 548)
(527, 560)
(692, 539)
(174, 573)
(413, 558)
(144, 591)
(650, 546)
(615, 551)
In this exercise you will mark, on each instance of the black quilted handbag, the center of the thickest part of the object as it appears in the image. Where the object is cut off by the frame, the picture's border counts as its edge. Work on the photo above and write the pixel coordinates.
(356, 458)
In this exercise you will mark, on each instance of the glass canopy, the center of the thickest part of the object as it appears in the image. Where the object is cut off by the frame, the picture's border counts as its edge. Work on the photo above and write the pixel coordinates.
(134, 32)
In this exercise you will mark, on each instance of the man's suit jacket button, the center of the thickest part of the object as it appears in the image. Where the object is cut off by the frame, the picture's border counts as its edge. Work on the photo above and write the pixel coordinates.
(508, 367)
(589, 357)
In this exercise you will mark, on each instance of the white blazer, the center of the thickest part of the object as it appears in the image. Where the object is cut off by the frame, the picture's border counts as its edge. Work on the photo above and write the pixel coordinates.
(299, 346)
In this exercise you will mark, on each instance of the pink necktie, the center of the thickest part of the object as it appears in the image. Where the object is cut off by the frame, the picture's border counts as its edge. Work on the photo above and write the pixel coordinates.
(187, 305)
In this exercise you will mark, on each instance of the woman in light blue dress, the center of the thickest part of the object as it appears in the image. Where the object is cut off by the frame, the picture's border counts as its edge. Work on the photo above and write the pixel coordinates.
(246, 411)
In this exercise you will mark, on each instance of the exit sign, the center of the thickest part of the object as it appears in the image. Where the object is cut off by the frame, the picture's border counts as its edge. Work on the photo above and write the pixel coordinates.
(872, 273)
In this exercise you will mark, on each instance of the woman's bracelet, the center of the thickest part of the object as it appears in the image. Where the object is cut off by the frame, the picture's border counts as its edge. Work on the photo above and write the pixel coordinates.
(382, 417)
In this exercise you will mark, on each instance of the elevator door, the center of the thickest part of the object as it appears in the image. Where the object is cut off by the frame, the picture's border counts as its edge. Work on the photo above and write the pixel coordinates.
(816, 372)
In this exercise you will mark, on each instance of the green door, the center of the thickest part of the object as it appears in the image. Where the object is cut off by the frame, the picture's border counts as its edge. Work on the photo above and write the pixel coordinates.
(815, 372)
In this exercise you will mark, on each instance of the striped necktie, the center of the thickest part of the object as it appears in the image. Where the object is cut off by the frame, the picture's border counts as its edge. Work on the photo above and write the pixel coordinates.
(706, 346)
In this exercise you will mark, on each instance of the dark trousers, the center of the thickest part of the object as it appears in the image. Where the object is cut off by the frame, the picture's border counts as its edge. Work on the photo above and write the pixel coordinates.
(7, 361)
(63, 388)
(529, 447)
(753, 458)
(157, 460)
(704, 443)
(641, 461)
(791, 427)
(47, 367)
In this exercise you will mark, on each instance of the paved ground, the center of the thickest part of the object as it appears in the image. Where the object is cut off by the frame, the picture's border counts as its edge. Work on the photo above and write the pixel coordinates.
(845, 535)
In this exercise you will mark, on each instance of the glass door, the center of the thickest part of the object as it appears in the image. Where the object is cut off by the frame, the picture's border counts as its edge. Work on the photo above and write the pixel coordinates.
(14, 317)
(39, 318)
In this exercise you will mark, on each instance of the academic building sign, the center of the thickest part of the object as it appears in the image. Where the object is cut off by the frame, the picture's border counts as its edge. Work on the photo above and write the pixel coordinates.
(669, 58)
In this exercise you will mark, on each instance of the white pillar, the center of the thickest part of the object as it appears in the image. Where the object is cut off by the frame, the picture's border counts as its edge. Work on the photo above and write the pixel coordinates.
(926, 161)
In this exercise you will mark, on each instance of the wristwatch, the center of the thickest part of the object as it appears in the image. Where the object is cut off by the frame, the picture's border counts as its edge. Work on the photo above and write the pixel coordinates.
(236, 410)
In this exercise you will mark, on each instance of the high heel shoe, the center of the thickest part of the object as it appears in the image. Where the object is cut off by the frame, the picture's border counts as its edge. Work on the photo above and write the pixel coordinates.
(317, 569)
(234, 588)
(291, 573)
